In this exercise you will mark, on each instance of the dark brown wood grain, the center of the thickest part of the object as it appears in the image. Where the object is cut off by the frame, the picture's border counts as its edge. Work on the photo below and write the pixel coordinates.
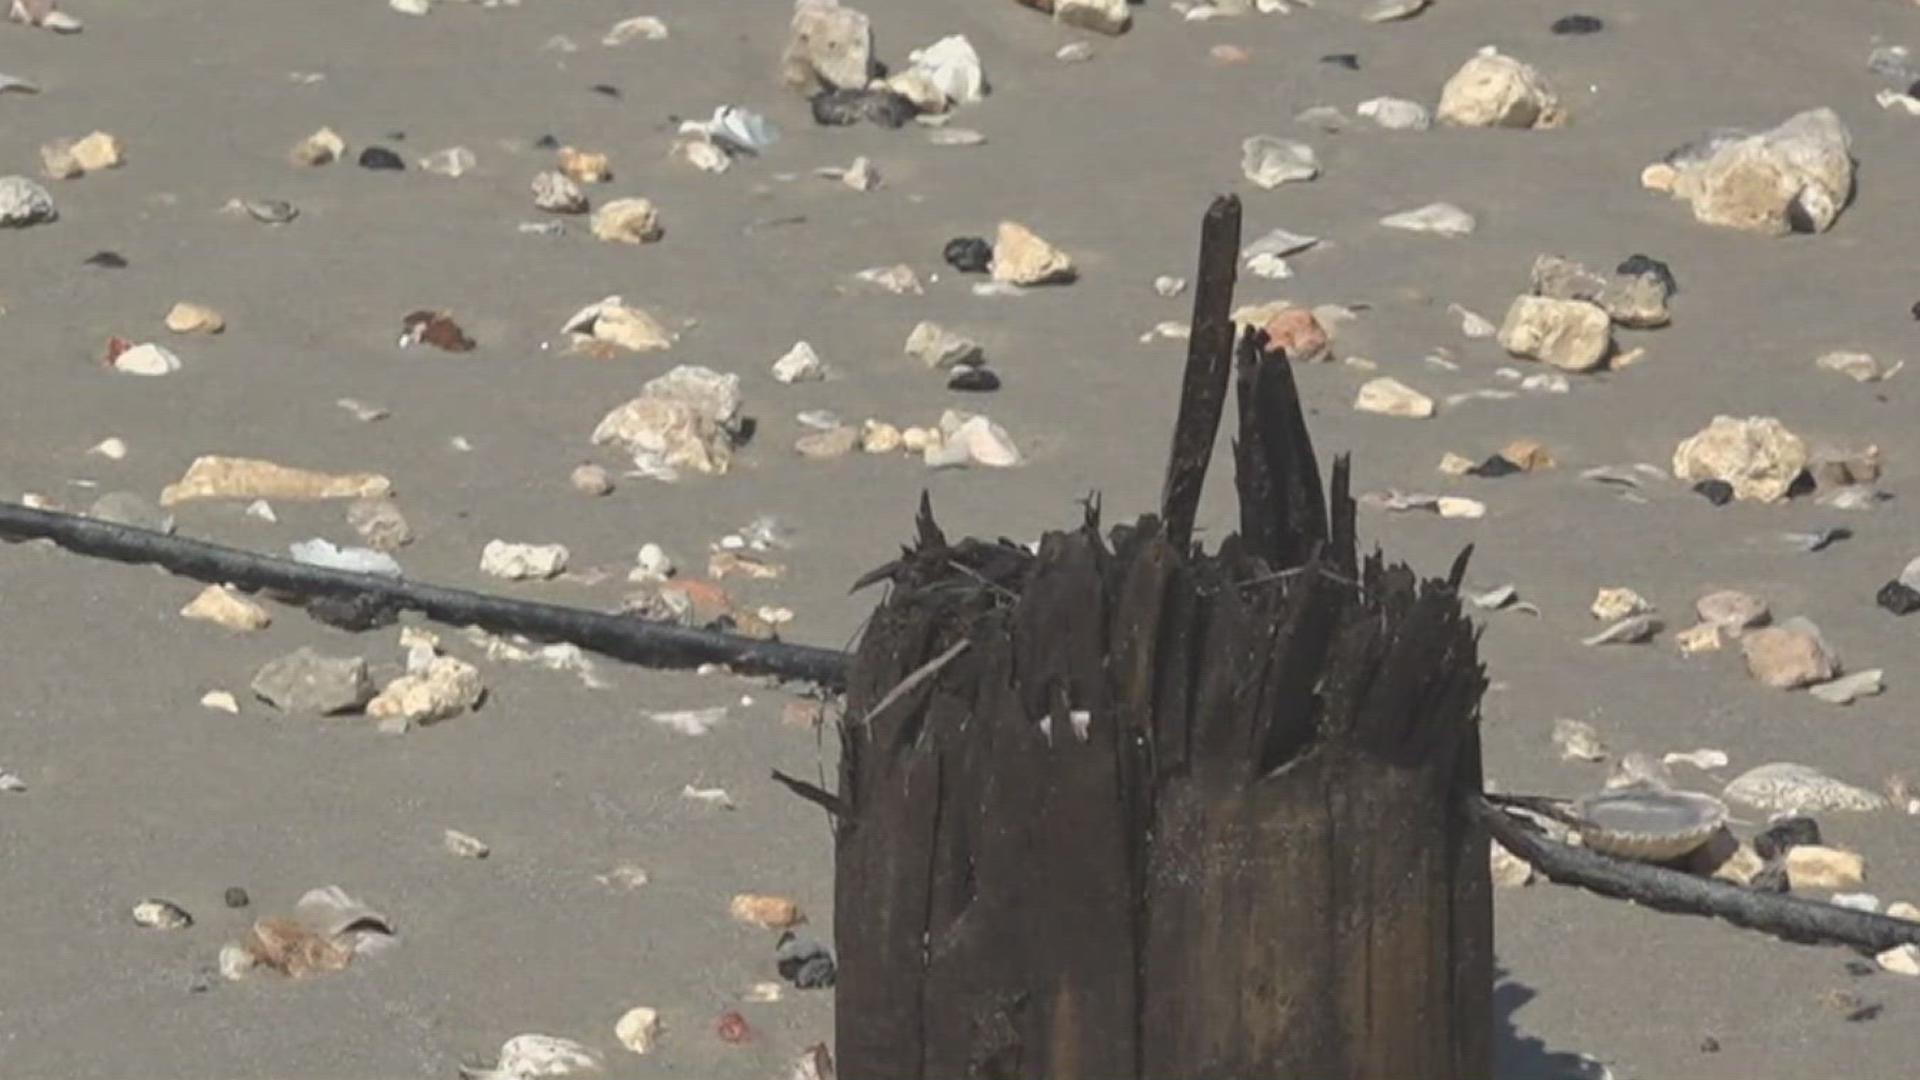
(1170, 814)
(1203, 390)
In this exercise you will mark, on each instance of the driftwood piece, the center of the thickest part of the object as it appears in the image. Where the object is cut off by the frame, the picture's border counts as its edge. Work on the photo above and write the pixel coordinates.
(1203, 393)
(1787, 917)
(1169, 814)
(619, 636)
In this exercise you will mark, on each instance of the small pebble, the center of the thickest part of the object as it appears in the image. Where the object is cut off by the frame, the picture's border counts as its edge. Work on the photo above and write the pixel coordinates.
(969, 254)
(1577, 25)
(732, 1028)
(464, 846)
(1717, 492)
(1898, 598)
(974, 380)
(591, 480)
(381, 159)
(638, 1029)
(236, 897)
(161, 915)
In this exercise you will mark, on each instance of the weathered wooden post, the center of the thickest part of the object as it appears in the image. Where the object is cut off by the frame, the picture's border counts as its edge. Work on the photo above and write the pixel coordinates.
(1126, 809)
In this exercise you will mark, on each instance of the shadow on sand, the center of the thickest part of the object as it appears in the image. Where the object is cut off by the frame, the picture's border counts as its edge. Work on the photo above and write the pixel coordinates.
(1518, 1056)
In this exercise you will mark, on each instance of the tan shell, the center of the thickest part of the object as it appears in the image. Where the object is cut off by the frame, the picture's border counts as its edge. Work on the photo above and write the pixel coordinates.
(1648, 824)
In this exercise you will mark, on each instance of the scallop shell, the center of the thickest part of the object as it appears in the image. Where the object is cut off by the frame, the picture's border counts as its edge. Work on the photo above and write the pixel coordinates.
(1647, 823)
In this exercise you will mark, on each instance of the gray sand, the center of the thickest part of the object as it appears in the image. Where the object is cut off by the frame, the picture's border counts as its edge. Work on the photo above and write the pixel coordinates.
(137, 791)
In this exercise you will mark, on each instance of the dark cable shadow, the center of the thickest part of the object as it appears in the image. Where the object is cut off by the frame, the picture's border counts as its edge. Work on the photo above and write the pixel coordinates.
(1517, 1056)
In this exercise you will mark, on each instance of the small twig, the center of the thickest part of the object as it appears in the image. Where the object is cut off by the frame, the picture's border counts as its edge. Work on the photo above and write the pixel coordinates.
(915, 677)
(983, 579)
(1544, 805)
(1282, 575)
(1787, 917)
(813, 793)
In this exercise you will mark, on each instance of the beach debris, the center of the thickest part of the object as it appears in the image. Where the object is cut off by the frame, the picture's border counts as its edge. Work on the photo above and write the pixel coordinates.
(1299, 335)
(732, 1028)
(1635, 295)
(952, 67)
(940, 348)
(1796, 177)
(583, 166)
(214, 476)
(307, 682)
(463, 845)
(638, 28)
(638, 1029)
(688, 418)
(1616, 603)
(1440, 219)
(226, 606)
(1648, 823)
(433, 689)
(1847, 689)
(898, 279)
(804, 962)
(1101, 16)
(538, 1057)
(326, 930)
(380, 523)
(1021, 257)
(828, 44)
(186, 318)
(1509, 871)
(555, 193)
(1858, 366)
(1395, 114)
(523, 562)
(1270, 161)
(381, 159)
(766, 912)
(435, 328)
(1572, 335)
(1827, 869)
(799, 364)
(613, 322)
(1631, 631)
(1494, 90)
(968, 254)
(1758, 457)
(161, 915)
(1788, 787)
(65, 159)
(145, 359)
(627, 221)
(359, 560)
(1789, 656)
(968, 439)
(712, 796)
(323, 147)
(1578, 741)
(1386, 396)
(1732, 611)
(882, 108)
(45, 14)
